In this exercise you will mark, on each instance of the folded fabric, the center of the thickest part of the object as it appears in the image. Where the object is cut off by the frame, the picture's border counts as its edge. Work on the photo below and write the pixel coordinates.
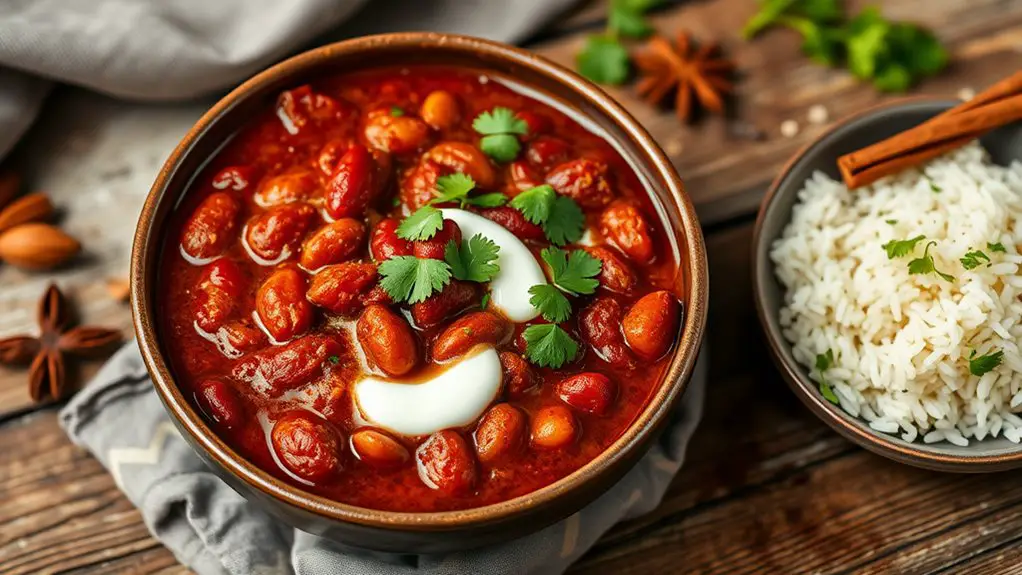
(213, 530)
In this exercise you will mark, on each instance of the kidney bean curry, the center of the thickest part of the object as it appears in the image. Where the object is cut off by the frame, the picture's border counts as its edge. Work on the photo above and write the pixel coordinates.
(418, 290)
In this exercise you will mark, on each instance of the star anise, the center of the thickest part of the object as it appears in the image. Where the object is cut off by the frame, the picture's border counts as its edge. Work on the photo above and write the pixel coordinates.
(45, 352)
(698, 74)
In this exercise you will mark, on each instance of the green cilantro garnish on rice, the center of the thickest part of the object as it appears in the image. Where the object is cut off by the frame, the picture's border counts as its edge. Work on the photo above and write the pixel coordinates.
(979, 365)
(998, 247)
(901, 248)
(825, 361)
(973, 259)
(925, 265)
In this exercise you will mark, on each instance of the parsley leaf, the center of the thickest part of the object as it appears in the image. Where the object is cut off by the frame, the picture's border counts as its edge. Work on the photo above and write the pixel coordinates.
(473, 260)
(984, 363)
(548, 345)
(550, 302)
(499, 121)
(998, 247)
(411, 279)
(901, 248)
(925, 265)
(971, 260)
(825, 361)
(535, 203)
(574, 273)
(566, 223)
(423, 224)
(603, 60)
(500, 147)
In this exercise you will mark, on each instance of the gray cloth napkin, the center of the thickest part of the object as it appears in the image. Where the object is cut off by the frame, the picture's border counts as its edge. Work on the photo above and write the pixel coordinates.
(213, 530)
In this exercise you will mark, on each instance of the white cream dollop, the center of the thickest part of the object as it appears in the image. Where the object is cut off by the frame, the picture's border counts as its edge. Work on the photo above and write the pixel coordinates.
(454, 398)
(519, 270)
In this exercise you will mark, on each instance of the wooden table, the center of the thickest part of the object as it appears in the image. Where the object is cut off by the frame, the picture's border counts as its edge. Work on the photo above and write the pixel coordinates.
(766, 488)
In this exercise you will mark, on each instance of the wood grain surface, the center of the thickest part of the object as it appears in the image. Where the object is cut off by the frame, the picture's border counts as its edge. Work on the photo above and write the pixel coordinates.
(766, 488)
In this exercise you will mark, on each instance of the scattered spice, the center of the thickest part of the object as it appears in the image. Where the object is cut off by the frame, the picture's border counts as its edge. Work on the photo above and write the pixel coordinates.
(696, 75)
(818, 115)
(789, 128)
(45, 352)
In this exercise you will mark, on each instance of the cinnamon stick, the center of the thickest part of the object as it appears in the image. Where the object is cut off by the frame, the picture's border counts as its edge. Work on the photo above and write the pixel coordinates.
(996, 106)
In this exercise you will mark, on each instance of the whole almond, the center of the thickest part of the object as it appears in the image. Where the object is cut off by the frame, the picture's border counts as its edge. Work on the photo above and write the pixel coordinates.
(37, 246)
(30, 208)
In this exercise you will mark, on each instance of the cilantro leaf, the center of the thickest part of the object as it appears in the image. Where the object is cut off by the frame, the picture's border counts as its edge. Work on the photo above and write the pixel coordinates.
(473, 260)
(893, 77)
(485, 301)
(548, 345)
(998, 247)
(453, 188)
(535, 203)
(891, 222)
(971, 259)
(984, 363)
(917, 49)
(499, 121)
(566, 223)
(901, 248)
(423, 224)
(334, 359)
(550, 302)
(822, 44)
(925, 265)
(933, 186)
(492, 200)
(825, 361)
(867, 33)
(626, 22)
(396, 112)
(603, 60)
(500, 147)
(574, 272)
(411, 279)
(768, 13)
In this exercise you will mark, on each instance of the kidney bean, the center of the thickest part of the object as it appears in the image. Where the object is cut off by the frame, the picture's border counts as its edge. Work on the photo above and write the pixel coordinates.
(584, 181)
(418, 186)
(281, 368)
(338, 288)
(600, 327)
(293, 186)
(330, 154)
(465, 158)
(333, 243)
(385, 243)
(235, 178)
(589, 392)
(241, 336)
(615, 275)
(538, 124)
(545, 152)
(468, 331)
(500, 433)
(435, 246)
(274, 234)
(440, 110)
(515, 222)
(455, 297)
(378, 449)
(210, 229)
(553, 427)
(445, 463)
(220, 286)
(624, 225)
(307, 445)
(221, 403)
(281, 304)
(299, 106)
(387, 340)
(351, 186)
(376, 295)
(519, 377)
(520, 177)
(396, 135)
(651, 324)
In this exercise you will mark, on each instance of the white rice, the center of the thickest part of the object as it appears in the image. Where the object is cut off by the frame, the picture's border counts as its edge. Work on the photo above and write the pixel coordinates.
(901, 342)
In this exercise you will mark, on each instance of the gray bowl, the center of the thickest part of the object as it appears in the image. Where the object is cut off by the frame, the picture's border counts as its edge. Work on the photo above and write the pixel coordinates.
(1004, 145)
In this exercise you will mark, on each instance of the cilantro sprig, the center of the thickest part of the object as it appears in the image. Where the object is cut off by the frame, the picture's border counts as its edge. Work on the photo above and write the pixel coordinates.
(422, 225)
(973, 259)
(562, 220)
(996, 247)
(979, 365)
(925, 264)
(604, 59)
(548, 345)
(824, 361)
(474, 260)
(412, 279)
(500, 129)
(901, 248)
(456, 187)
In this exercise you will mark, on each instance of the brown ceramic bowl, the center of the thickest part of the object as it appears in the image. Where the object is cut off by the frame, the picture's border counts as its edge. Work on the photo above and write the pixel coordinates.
(443, 531)
(1004, 145)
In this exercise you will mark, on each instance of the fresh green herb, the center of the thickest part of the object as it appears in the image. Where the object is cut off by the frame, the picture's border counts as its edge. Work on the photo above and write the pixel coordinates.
(395, 202)
(971, 260)
(984, 363)
(901, 248)
(396, 112)
(456, 187)
(891, 222)
(551, 302)
(548, 345)
(825, 361)
(998, 247)
(925, 265)
(498, 128)
(574, 273)
(334, 359)
(423, 224)
(500, 147)
(770, 11)
(412, 279)
(560, 217)
(604, 59)
(483, 303)
(474, 260)
(934, 187)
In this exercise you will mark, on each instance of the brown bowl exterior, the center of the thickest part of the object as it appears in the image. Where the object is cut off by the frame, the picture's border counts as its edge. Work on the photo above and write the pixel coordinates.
(442, 531)
(853, 133)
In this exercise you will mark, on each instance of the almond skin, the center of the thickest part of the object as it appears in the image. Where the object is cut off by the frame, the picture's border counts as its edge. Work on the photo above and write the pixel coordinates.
(36, 246)
(30, 208)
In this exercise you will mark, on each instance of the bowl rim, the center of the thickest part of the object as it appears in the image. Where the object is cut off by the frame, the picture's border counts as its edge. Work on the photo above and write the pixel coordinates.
(854, 428)
(650, 419)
